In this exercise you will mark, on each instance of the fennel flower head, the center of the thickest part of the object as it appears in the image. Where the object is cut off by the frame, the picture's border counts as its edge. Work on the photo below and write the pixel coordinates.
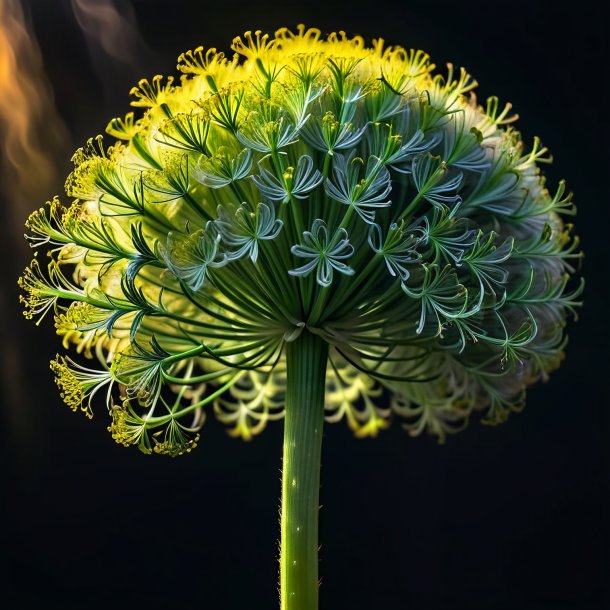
(304, 185)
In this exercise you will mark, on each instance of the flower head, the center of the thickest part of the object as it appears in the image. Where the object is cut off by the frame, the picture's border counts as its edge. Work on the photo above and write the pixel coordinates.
(306, 183)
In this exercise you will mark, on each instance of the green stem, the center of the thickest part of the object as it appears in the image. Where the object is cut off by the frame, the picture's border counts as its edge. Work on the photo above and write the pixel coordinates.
(306, 359)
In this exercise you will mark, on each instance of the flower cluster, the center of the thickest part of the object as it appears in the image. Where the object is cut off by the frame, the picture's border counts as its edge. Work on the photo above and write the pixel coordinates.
(305, 183)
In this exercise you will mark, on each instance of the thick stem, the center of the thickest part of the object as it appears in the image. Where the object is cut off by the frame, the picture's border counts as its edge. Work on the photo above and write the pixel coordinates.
(306, 359)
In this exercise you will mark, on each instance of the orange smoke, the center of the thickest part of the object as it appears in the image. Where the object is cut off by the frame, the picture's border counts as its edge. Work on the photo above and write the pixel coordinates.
(114, 32)
(32, 140)
(31, 133)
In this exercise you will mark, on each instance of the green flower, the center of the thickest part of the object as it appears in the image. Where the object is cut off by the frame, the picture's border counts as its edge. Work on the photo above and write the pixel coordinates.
(365, 195)
(189, 257)
(296, 182)
(247, 229)
(325, 254)
(399, 249)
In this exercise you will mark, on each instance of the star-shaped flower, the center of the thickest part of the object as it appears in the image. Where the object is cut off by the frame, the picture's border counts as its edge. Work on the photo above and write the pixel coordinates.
(246, 229)
(325, 254)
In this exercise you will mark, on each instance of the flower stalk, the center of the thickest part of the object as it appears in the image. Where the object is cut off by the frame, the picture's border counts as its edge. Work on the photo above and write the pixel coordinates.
(306, 359)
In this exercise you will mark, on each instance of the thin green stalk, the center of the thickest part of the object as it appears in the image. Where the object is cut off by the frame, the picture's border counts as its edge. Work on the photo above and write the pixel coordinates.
(306, 359)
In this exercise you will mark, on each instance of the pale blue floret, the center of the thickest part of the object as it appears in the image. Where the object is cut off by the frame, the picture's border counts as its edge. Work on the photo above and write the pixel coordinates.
(298, 100)
(448, 235)
(190, 257)
(398, 250)
(387, 104)
(271, 136)
(326, 255)
(222, 171)
(441, 298)
(346, 136)
(302, 182)
(461, 147)
(434, 183)
(485, 261)
(246, 229)
(365, 195)
(414, 140)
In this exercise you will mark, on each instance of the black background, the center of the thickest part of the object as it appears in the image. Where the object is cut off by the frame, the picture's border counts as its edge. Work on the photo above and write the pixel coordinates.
(513, 517)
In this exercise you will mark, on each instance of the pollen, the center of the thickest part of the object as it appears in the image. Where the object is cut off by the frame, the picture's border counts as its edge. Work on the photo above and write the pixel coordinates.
(71, 389)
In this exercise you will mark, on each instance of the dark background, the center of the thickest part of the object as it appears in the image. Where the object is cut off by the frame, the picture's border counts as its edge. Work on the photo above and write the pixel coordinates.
(513, 517)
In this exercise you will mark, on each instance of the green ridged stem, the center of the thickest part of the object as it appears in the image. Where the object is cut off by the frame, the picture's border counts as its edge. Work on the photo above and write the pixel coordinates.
(306, 359)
